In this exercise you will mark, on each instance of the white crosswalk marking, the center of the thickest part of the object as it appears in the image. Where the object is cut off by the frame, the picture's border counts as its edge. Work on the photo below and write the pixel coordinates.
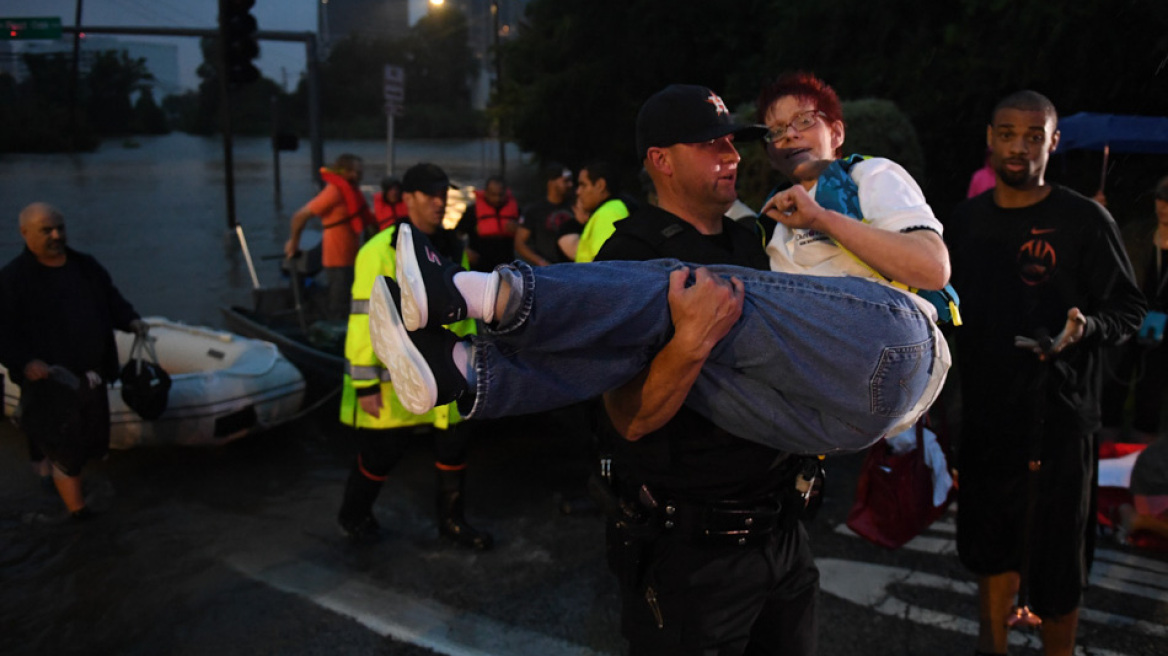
(403, 617)
(867, 583)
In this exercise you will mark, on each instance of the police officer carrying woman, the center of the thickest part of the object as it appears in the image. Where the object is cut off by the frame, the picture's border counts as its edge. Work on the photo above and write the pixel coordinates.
(707, 538)
(702, 533)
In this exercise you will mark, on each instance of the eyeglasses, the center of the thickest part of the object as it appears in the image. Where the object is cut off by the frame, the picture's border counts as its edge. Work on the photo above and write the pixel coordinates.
(801, 122)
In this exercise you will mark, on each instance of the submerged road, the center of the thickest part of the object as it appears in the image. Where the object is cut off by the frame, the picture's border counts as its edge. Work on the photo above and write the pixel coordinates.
(234, 550)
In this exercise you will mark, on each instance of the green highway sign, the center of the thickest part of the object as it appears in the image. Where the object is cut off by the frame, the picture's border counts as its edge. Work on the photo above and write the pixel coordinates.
(30, 28)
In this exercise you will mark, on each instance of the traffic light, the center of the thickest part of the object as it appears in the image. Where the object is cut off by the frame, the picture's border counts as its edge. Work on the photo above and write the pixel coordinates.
(238, 30)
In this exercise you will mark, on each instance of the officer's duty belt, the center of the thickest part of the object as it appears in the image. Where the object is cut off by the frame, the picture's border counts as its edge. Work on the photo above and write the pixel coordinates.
(722, 523)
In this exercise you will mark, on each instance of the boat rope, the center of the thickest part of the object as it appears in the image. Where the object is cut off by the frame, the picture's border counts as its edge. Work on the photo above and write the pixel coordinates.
(317, 404)
(306, 411)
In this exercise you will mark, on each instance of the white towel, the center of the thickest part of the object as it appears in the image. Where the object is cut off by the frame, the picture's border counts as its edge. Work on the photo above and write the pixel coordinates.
(902, 443)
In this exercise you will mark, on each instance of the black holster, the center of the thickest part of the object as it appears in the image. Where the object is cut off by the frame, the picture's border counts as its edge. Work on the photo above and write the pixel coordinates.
(629, 532)
(803, 504)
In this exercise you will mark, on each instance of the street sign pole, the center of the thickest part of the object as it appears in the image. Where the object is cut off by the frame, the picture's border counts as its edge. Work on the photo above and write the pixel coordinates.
(389, 143)
(395, 96)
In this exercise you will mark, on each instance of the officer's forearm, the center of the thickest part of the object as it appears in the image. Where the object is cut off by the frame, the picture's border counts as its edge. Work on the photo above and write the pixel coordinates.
(649, 401)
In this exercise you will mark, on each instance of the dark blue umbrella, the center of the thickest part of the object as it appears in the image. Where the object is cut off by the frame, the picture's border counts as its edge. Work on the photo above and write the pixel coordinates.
(1118, 132)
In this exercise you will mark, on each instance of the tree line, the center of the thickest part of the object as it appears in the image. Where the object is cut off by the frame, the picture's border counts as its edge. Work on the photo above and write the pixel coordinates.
(113, 98)
(115, 95)
(578, 70)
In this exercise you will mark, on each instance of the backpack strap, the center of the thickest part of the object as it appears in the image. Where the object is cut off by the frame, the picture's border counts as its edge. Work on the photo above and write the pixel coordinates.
(837, 190)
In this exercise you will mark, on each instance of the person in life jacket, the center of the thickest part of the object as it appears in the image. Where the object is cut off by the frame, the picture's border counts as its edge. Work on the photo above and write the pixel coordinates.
(344, 214)
(597, 195)
(489, 225)
(369, 402)
(388, 206)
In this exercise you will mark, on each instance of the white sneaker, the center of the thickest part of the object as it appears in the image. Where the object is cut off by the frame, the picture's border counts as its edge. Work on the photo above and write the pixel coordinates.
(428, 294)
(411, 376)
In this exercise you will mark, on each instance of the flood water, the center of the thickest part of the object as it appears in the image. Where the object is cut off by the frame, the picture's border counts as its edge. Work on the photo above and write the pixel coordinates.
(155, 213)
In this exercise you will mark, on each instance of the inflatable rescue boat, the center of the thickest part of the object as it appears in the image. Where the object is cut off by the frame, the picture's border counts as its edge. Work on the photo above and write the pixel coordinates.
(223, 387)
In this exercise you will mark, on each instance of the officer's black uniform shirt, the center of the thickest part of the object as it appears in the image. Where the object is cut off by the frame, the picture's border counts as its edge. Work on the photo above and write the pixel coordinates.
(690, 458)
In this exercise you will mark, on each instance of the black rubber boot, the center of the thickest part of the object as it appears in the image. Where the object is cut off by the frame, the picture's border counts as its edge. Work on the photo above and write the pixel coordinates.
(356, 516)
(451, 522)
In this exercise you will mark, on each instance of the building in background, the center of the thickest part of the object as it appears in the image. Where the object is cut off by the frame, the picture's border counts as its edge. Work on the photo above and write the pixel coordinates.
(338, 19)
(482, 39)
(161, 58)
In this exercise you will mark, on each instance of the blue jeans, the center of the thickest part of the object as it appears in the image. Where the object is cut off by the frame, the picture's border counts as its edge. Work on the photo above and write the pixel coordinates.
(814, 365)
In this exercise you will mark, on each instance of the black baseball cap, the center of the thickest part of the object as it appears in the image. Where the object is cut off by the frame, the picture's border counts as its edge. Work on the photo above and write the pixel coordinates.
(427, 178)
(687, 113)
(554, 170)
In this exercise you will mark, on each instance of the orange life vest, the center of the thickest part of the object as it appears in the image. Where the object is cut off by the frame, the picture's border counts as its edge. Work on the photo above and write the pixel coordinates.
(358, 214)
(388, 214)
(496, 222)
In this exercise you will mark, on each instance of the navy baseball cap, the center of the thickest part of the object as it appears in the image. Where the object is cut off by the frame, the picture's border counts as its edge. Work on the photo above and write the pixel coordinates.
(687, 113)
(427, 178)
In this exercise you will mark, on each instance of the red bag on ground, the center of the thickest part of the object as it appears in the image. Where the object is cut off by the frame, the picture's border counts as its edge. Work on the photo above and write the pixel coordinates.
(894, 495)
(1110, 498)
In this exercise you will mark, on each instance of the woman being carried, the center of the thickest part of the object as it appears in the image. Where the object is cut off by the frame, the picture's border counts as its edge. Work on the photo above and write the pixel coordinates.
(835, 359)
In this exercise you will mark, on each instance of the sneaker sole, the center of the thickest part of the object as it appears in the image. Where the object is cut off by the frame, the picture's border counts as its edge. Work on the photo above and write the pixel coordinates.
(412, 380)
(409, 278)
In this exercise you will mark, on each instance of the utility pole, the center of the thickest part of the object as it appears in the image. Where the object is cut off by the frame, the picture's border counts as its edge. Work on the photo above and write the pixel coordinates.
(237, 48)
(74, 78)
(498, 82)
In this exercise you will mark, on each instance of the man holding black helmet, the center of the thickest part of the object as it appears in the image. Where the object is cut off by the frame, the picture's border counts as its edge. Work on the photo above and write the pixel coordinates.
(58, 311)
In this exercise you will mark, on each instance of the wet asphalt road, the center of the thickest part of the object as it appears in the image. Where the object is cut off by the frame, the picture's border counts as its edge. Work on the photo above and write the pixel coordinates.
(233, 550)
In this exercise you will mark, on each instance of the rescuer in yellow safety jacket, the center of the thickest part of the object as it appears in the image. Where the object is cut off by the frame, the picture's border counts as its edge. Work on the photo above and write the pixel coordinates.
(368, 401)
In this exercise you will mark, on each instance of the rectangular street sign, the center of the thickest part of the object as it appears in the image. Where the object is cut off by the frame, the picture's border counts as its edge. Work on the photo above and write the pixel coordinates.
(30, 28)
(395, 84)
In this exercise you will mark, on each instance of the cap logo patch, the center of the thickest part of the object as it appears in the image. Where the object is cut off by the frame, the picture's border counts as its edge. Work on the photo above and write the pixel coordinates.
(719, 106)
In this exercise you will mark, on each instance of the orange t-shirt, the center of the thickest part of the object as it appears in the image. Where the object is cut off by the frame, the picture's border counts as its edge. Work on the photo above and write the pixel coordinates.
(339, 244)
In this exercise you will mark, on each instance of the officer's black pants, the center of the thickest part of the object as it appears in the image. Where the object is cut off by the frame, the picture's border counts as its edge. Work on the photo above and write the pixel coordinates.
(726, 601)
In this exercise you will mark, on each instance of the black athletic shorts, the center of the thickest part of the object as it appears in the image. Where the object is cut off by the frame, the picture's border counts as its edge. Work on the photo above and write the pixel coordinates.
(991, 511)
(83, 437)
